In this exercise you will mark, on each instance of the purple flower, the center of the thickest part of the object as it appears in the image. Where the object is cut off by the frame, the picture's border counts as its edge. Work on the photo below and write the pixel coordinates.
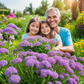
(58, 53)
(69, 69)
(10, 70)
(33, 53)
(50, 83)
(3, 62)
(16, 60)
(75, 77)
(52, 53)
(9, 30)
(65, 74)
(76, 66)
(61, 76)
(1, 43)
(18, 29)
(14, 79)
(45, 72)
(3, 50)
(51, 60)
(58, 58)
(42, 56)
(46, 63)
(22, 53)
(30, 62)
(58, 82)
(1, 31)
(71, 81)
(73, 58)
(12, 25)
(30, 57)
(54, 75)
(53, 41)
(37, 44)
(31, 38)
(67, 54)
(11, 38)
(43, 39)
(25, 43)
(81, 73)
(47, 47)
(1, 37)
(81, 58)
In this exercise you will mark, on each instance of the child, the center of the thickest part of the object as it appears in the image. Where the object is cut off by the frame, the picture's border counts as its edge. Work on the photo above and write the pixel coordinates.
(32, 28)
(49, 33)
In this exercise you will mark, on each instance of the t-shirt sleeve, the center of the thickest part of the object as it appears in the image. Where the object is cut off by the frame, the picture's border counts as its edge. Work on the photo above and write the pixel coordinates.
(24, 35)
(68, 39)
(57, 38)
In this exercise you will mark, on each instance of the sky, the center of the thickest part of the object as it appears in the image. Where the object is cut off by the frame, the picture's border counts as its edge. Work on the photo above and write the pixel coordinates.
(19, 5)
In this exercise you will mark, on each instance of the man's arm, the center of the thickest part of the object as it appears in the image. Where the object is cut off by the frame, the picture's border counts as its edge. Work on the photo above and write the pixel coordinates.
(69, 49)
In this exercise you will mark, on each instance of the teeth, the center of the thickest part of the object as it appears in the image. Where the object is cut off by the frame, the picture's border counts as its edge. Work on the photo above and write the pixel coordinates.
(52, 23)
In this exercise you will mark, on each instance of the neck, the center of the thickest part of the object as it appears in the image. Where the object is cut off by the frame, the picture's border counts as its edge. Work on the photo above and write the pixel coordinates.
(48, 36)
(29, 34)
(57, 29)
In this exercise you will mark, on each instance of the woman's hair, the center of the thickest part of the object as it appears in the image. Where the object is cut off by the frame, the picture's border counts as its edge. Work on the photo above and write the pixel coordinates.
(33, 20)
(53, 8)
(52, 32)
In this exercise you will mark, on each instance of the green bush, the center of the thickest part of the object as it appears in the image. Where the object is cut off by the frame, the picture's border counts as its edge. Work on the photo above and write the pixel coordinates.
(19, 14)
(66, 17)
(80, 24)
(5, 11)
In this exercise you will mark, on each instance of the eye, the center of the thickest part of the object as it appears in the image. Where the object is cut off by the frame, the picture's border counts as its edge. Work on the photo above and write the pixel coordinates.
(55, 16)
(49, 17)
(37, 27)
(46, 26)
(42, 27)
(32, 25)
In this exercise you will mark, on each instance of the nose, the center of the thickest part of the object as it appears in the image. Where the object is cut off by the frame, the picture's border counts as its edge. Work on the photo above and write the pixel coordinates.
(52, 19)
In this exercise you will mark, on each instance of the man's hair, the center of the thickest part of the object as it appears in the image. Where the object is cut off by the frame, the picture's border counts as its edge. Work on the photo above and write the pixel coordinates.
(53, 8)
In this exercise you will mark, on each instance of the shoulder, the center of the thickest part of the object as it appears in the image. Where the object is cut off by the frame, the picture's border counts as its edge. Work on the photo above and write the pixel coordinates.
(64, 29)
(25, 34)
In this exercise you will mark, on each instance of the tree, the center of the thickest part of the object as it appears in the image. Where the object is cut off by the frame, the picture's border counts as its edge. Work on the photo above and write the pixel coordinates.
(29, 9)
(42, 9)
(80, 5)
(74, 7)
(59, 4)
(67, 4)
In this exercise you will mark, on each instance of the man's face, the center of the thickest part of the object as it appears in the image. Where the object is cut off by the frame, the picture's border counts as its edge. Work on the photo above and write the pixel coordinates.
(53, 18)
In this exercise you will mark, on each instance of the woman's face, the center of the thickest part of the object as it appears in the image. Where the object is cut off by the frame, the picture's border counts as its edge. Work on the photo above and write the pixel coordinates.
(34, 28)
(45, 29)
(53, 18)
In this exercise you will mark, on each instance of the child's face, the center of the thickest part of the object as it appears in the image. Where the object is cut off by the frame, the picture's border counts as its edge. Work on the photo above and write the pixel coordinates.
(34, 28)
(45, 29)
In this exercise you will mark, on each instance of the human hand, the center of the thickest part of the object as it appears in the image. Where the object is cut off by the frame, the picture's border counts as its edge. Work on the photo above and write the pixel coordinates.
(56, 49)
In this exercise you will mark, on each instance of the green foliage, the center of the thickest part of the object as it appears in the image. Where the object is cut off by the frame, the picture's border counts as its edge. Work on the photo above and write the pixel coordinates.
(59, 4)
(80, 24)
(67, 5)
(42, 9)
(66, 17)
(5, 11)
(18, 14)
(29, 9)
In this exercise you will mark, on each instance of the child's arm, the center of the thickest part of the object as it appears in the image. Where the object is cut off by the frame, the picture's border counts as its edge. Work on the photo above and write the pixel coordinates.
(58, 46)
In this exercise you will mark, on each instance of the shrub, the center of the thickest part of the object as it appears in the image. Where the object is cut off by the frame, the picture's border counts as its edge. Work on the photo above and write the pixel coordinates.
(80, 24)
(18, 14)
(66, 17)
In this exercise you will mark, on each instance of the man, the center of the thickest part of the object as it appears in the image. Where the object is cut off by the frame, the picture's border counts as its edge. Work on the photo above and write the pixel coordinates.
(53, 18)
